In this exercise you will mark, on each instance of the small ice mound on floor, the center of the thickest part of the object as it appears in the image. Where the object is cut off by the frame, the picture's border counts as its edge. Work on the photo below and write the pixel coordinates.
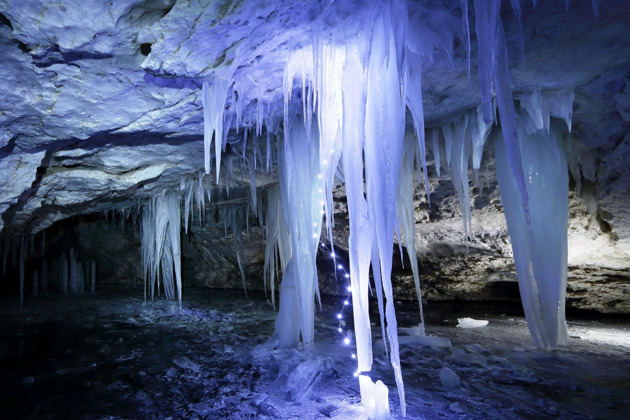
(417, 330)
(186, 363)
(471, 323)
(449, 379)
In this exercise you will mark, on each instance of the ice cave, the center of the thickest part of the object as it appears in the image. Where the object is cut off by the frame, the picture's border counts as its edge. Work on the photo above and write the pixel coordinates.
(311, 209)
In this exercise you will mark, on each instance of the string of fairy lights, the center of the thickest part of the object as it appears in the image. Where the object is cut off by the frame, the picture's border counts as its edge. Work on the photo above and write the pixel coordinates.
(339, 268)
(341, 323)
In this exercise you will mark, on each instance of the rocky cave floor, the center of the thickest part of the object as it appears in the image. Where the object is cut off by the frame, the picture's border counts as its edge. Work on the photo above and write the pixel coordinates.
(110, 356)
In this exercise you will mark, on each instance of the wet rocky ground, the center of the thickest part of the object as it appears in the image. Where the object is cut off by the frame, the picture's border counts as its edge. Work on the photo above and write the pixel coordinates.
(111, 356)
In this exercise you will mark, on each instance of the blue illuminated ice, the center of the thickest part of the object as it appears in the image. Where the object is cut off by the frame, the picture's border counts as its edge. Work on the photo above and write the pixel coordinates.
(540, 252)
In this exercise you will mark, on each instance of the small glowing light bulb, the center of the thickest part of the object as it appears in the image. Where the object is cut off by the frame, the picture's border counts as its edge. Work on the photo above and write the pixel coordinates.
(332, 255)
(345, 303)
(340, 330)
(338, 316)
(349, 289)
(314, 235)
(354, 356)
(347, 275)
(356, 374)
(340, 267)
(346, 340)
(319, 176)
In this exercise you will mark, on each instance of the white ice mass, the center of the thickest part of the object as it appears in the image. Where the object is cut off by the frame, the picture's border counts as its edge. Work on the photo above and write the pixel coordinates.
(348, 112)
(355, 85)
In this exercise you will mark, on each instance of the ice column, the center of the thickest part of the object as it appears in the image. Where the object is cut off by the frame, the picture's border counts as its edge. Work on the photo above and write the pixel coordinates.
(301, 201)
(384, 130)
(540, 254)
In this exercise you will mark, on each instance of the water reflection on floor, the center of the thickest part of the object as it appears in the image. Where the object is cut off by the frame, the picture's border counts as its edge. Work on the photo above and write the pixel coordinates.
(111, 356)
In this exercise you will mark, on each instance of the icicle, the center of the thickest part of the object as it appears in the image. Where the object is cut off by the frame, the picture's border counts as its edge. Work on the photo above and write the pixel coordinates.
(508, 115)
(161, 225)
(213, 98)
(466, 30)
(486, 17)
(332, 59)
(455, 135)
(436, 151)
(559, 104)
(414, 102)
(516, 8)
(300, 200)
(479, 130)
(540, 243)
(405, 207)
(361, 230)
(384, 130)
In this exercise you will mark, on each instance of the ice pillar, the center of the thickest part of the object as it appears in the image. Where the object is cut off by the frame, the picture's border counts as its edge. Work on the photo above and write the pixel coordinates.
(301, 201)
(540, 254)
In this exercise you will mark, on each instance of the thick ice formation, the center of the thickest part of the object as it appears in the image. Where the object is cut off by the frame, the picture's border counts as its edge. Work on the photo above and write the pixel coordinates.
(357, 84)
(301, 202)
(540, 245)
(161, 250)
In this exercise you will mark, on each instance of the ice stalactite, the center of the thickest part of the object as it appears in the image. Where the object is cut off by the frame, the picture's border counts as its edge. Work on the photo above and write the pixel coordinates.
(384, 131)
(301, 202)
(460, 144)
(493, 71)
(232, 215)
(161, 246)
(540, 250)
(406, 216)
(466, 30)
(540, 254)
(277, 241)
(329, 87)
(361, 228)
(213, 98)
(414, 103)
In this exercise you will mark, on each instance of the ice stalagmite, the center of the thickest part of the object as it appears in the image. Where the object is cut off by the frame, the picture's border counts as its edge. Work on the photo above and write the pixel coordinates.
(540, 254)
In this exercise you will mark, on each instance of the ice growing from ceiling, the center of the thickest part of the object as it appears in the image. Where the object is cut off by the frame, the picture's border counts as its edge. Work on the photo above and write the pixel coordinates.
(356, 83)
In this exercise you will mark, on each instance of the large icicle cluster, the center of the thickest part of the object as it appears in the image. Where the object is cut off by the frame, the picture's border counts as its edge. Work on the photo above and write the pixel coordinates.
(293, 228)
(161, 247)
(356, 85)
